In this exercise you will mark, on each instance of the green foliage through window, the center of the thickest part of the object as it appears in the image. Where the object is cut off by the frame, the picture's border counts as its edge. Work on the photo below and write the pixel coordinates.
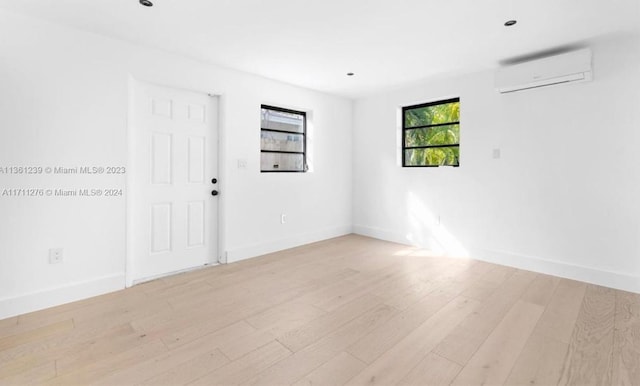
(431, 134)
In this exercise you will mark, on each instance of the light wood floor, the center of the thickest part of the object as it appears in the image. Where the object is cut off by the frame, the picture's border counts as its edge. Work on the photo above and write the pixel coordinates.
(351, 310)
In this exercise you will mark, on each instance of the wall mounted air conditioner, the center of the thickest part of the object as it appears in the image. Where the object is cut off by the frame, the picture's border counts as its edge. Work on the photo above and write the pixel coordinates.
(571, 67)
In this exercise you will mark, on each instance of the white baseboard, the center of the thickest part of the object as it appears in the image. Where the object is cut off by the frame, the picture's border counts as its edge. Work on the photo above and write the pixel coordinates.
(67, 293)
(34, 301)
(52, 297)
(384, 234)
(617, 280)
(244, 253)
(399, 238)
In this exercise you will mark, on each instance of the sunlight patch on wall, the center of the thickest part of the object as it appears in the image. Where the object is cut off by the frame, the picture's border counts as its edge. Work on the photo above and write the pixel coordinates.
(426, 230)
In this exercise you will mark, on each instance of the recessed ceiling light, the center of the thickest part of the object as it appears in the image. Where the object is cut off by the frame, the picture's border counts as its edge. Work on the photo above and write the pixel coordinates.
(350, 74)
(146, 3)
(510, 23)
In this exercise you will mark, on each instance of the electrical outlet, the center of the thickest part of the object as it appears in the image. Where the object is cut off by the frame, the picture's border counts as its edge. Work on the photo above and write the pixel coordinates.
(55, 255)
(283, 218)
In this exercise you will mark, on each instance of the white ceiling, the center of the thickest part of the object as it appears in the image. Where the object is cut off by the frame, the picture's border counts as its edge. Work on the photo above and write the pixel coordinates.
(315, 43)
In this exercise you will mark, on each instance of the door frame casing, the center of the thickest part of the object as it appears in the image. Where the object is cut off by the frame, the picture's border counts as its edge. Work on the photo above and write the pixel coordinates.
(130, 183)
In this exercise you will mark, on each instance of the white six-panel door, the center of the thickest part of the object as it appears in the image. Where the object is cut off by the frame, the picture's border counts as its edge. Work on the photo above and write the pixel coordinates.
(173, 152)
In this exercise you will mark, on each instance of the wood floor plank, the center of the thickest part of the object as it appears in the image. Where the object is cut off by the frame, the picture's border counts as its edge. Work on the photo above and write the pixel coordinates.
(480, 290)
(285, 317)
(337, 371)
(432, 370)
(241, 346)
(174, 364)
(378, 281)
(588, 360)
(463, 342)
(89, 310)
(241, 291)
(559, 318)
(411, 295)
(246, 367)
(93, 371)
(337, 295)
(411, 275)
(541, 290)
(493, 361)
(398, 361)
(322, 282)
(38, 374)
(180, 328)
(71, 344)
(303, 362)
(20, 368)
(124, 337)
(249, 284)
(465, 269)
(540, 362)
(40, 333)
(347, 310)
(22, 359)
(184, 327)
(189, 371)
(404, 284)
(626, 350)
(457, 276)
(285, 262)
(8, 322)
(498, 274)
(484, 281)
(360, 289)
(126, 313)
(313, 331)
(376, 343)
(186, 295)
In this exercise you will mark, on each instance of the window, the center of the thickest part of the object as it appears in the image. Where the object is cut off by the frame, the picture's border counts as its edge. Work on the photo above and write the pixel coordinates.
(283, 140)
(431, 134)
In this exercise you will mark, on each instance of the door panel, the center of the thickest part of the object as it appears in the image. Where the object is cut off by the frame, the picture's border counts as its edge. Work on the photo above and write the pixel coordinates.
(161, 227)
(161, 146)
(196, 230)
(196, 160)
(174, 157)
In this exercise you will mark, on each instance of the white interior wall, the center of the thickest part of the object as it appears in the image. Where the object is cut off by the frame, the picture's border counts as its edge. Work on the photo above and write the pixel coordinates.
(63, 102)
(563, 197)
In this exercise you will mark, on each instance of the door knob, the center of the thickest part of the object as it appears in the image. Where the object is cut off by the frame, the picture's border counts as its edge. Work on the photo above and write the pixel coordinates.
(214, 180)
(214, 192)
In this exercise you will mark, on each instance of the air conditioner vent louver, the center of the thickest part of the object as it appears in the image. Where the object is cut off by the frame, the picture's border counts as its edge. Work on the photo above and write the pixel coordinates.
(571, 67)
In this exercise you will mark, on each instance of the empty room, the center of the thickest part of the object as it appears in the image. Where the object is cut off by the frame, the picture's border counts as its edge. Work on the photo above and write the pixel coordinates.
(288, 192)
